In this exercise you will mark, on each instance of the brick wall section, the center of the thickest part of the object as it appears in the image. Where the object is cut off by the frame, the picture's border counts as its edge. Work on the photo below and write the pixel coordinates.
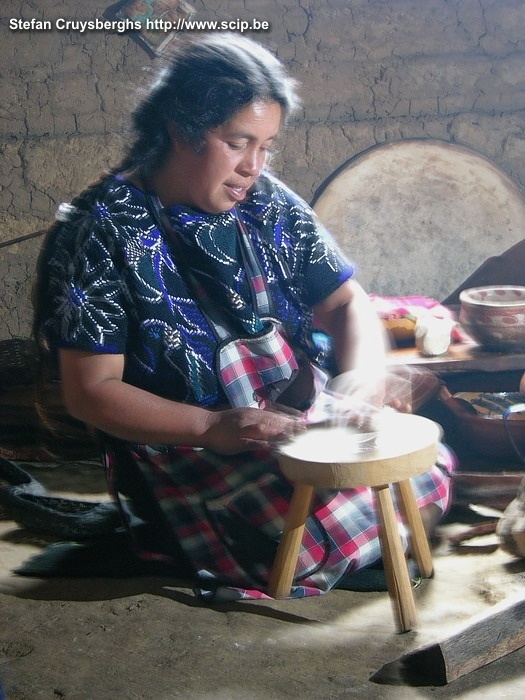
(371, 71)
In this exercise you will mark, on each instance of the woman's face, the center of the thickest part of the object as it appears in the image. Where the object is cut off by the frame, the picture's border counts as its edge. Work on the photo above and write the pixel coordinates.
(219, 176)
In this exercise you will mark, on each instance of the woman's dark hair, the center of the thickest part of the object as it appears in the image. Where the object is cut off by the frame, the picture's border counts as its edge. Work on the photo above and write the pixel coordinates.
(204, 83)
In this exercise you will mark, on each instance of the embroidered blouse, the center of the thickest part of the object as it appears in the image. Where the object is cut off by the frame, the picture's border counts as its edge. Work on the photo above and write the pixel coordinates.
(117, 284)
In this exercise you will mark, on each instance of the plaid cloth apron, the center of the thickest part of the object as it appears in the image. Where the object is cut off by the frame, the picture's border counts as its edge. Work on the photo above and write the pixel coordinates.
(252, 368)
(263, 370)
(227, 513)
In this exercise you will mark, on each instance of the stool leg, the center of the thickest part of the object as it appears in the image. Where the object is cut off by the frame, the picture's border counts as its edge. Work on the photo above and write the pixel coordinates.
(417, 536)
(285, 563)
(396, 570)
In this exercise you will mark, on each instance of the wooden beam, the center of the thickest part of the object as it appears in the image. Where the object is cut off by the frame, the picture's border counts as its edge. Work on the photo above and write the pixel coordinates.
(483, 639)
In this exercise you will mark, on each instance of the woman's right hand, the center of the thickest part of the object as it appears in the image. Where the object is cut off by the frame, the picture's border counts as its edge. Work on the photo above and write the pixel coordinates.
(95, 393)
(236, 430)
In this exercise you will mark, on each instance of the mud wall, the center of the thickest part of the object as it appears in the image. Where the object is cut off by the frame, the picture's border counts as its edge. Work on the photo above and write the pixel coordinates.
(372, 71)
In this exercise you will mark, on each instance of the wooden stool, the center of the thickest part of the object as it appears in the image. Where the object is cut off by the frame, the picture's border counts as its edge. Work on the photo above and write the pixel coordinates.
(406, 445)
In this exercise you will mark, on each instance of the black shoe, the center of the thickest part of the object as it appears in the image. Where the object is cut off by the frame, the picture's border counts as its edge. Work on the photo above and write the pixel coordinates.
(14, 475)
(61, 517)
(29, 505)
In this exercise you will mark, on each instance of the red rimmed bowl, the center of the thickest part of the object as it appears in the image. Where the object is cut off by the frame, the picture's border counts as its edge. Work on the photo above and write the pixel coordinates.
(494, 316)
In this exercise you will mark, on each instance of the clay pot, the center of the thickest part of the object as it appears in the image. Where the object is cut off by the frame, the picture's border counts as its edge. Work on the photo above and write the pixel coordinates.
(494, 316)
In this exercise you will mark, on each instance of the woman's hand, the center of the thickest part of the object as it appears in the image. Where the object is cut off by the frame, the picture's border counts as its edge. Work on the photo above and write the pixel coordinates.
(95, 393)
(240, 429)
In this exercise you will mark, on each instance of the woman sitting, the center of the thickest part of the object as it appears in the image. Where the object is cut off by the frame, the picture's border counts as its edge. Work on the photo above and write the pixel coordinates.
(156, 284)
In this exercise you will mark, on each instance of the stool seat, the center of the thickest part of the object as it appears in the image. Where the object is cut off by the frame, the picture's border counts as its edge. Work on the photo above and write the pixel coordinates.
(405, 445)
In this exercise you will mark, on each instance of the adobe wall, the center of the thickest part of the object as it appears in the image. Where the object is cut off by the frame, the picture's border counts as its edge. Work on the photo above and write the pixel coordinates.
(372, 71)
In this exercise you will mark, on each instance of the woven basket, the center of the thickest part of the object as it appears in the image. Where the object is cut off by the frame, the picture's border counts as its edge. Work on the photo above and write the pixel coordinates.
(17, 362)
(35, 425)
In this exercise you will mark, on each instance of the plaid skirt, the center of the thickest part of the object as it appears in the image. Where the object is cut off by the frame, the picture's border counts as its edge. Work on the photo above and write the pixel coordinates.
(227, 515)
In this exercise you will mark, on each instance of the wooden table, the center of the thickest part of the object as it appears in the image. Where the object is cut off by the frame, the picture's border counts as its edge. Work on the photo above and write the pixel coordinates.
(461, 357)
(466, 367)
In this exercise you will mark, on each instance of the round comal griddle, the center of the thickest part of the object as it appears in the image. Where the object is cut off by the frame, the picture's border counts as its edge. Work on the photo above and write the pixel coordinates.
(419, 216)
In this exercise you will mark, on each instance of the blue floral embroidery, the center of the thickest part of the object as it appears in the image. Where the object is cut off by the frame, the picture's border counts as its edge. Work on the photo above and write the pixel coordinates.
(116, 284)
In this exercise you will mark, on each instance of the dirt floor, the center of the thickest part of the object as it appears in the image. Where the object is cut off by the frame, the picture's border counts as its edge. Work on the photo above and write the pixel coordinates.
(80, 639)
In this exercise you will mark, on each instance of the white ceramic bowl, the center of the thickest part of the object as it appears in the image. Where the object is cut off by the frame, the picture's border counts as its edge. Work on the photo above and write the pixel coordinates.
(494, 316)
